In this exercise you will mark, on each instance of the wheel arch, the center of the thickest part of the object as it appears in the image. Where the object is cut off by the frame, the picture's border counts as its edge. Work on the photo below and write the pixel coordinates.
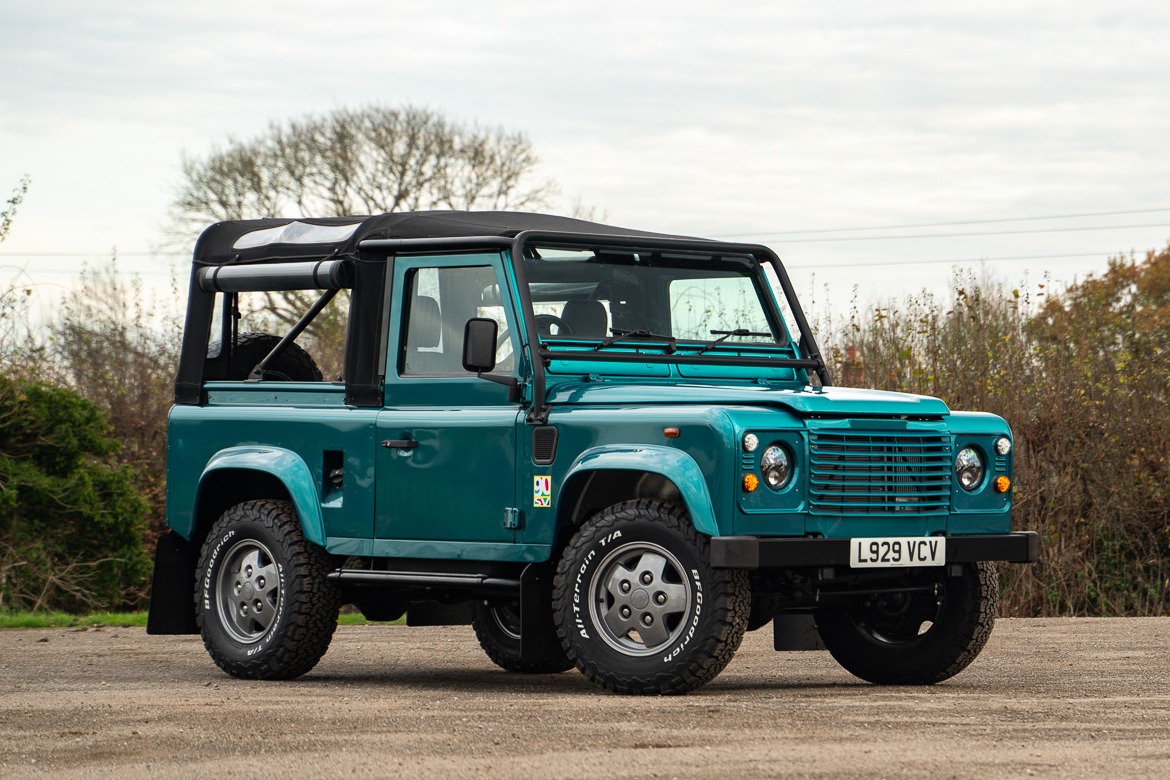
(239, 474)
(602, 476)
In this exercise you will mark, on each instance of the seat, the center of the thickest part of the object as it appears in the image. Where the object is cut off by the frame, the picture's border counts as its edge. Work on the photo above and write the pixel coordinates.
(422, 333)
(585, 319)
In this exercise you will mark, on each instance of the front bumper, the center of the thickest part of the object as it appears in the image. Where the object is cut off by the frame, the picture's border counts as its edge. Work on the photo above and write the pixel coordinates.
(755, 552)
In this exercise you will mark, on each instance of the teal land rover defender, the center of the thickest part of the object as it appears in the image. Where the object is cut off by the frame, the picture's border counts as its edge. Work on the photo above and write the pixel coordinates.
(603, 448)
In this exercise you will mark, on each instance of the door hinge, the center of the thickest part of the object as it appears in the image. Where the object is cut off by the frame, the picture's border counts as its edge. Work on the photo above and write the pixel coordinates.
(511, 517)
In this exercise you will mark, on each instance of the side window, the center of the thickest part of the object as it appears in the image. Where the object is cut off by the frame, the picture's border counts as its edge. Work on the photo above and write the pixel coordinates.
(439, 302)
(264, 317)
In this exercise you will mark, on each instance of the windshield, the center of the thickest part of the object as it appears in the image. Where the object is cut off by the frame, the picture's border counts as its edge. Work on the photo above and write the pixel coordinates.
(588, 295)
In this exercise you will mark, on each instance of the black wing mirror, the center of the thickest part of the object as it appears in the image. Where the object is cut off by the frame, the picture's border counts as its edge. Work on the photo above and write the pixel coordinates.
(479, 344)
(479, 354)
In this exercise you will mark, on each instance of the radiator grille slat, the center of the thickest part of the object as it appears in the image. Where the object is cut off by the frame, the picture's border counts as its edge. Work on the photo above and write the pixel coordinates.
(864, 473)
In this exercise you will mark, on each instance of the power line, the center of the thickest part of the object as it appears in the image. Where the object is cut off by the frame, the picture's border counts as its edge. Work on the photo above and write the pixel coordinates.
(968, 235)
(789, 233)
(874, 264)
(757, 234)
(883, 264)
(106, 254)
(944, 224)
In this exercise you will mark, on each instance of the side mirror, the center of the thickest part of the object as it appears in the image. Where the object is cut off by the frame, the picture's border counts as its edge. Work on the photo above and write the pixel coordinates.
(479, 344)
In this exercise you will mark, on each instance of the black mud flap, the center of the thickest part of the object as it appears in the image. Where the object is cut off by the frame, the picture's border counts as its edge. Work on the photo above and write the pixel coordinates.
(538, 635)
(172, 588)
(795, 632)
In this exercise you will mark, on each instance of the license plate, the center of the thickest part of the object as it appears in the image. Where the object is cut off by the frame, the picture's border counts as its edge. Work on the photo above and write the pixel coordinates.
(891, 551)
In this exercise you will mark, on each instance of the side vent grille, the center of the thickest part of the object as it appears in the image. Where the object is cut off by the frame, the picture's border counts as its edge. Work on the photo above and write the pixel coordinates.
(544, 444)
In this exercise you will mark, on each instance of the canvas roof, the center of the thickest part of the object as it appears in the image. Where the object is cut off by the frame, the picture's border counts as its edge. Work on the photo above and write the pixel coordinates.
(288, 239)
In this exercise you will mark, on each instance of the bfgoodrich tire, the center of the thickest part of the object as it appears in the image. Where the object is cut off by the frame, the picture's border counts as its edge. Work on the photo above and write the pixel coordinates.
(264, 606)
(497, 627)
(638, 607)
(916, 638)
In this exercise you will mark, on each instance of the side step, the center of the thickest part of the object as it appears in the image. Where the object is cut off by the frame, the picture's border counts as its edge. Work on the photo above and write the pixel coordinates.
(479, 583)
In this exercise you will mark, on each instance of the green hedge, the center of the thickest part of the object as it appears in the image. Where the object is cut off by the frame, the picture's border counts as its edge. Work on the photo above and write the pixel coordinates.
(71, 522)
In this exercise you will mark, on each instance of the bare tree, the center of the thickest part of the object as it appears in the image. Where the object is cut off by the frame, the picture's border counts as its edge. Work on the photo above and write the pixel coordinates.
(359, 161)
(10, 208)
(354, 161)
(110, 345)
(15, 333)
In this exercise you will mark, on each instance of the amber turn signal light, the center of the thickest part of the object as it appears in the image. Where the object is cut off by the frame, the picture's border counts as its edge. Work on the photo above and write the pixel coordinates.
(1002, 484)
(750, 482)
(670, 433)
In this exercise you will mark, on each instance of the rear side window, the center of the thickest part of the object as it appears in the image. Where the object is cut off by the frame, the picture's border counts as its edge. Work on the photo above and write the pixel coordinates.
(261, 320)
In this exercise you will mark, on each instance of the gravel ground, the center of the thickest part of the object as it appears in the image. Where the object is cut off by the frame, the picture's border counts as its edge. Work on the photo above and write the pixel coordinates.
(1057, 698)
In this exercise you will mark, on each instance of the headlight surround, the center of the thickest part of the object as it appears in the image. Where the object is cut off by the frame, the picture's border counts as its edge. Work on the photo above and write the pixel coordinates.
(776, 467)
(969, 469)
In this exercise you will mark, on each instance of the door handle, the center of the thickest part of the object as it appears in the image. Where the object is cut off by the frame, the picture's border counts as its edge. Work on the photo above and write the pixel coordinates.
(400, 444)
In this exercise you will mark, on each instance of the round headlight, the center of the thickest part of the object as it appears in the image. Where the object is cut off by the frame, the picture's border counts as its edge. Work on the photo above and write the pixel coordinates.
(1003, 445)
(969, 468)
(750, 442)
(775, 467)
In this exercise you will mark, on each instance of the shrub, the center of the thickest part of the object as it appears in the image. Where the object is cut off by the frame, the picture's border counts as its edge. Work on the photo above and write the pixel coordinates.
(70, 522)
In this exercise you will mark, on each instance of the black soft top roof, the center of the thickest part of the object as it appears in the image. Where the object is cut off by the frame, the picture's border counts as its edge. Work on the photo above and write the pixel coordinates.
(225, 243)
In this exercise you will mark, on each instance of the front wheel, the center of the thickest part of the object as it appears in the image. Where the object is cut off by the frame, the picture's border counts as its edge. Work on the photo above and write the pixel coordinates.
(264, 605)
(639, 607)
(917, 637)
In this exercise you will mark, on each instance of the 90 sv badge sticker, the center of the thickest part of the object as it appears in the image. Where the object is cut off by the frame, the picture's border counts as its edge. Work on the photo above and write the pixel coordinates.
(542, 491)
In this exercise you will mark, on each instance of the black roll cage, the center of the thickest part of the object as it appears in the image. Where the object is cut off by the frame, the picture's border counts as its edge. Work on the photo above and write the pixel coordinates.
(364, 369)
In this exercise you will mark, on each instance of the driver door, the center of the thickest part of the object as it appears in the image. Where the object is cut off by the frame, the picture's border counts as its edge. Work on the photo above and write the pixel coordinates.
(446, 440)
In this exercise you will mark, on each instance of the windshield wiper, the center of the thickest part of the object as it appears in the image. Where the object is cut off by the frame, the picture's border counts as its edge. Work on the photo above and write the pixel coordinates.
(625, 335)
(724, 335)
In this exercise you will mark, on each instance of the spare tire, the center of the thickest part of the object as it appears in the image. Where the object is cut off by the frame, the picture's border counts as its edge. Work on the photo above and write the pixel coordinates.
(294, 364)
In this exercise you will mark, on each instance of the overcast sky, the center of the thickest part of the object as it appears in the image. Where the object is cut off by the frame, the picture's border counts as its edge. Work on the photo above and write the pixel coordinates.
(747, 123)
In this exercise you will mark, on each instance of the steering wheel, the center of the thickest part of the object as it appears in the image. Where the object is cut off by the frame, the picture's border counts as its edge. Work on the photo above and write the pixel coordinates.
(545, 322)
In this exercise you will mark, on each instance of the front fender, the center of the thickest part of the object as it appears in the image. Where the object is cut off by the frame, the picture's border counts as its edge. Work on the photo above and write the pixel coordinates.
(286, 466)
(675, 465)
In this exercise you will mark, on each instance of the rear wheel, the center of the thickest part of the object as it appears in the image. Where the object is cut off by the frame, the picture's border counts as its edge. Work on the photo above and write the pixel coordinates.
(497, 627)
(916, 637)
(262, 600)
(638, 606)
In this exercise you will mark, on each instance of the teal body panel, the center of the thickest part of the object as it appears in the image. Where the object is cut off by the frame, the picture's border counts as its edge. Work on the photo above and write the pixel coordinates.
(804, 400)
(446, 497)
(290, 469)
(675, 465)
(308, 419)
(456, 483)
(629, 438)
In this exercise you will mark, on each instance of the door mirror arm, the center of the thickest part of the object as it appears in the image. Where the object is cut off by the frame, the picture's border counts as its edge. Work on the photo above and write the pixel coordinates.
(479, 354)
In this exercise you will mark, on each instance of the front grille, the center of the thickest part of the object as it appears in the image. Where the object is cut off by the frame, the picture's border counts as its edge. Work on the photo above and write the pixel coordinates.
(876, 473)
